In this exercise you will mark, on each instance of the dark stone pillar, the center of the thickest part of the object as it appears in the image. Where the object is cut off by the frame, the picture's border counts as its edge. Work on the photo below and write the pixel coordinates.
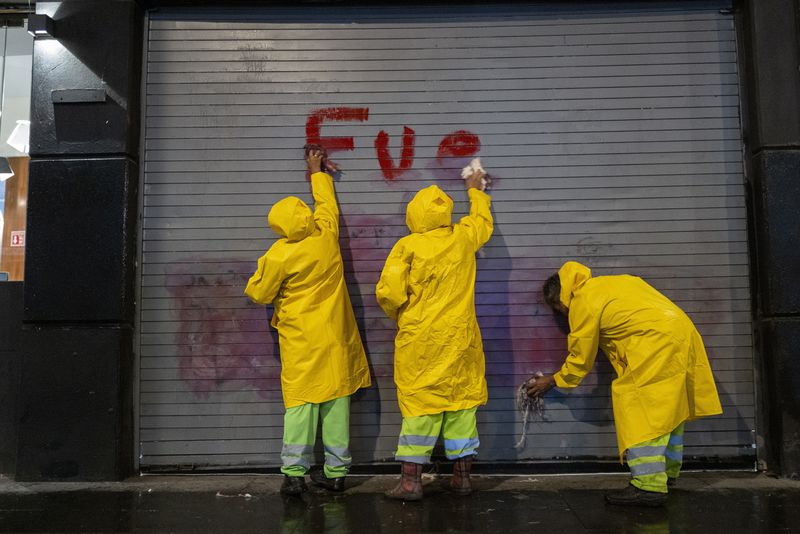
(76, 400)
(770, 35)
(10, 358)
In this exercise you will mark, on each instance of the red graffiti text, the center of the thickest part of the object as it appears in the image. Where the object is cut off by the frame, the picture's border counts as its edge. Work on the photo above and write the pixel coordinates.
(458, 144)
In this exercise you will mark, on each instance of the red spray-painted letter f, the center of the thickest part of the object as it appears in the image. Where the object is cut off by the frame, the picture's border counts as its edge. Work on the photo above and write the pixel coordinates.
(332, 144)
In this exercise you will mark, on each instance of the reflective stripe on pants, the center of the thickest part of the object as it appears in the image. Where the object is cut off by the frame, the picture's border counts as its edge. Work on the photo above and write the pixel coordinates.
(418, 436)
(654, 461)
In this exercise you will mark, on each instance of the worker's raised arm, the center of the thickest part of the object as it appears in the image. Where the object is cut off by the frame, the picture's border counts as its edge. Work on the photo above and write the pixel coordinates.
(326, 211)
(479, 223)
(582, 343)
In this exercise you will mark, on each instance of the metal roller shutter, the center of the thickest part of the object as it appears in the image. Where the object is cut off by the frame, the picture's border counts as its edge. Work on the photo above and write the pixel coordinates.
(613, 135)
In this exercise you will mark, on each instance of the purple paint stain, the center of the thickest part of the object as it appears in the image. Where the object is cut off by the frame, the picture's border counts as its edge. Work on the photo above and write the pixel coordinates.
(447, 171)
(377, 233)
(221, 348)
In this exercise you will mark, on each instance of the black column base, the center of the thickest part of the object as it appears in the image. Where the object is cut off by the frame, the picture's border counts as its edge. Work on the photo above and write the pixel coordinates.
(10, 364)
(75, 404)
(780, 341)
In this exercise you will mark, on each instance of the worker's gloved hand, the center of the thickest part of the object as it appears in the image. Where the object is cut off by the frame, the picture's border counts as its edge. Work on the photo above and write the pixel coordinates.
(539, 385)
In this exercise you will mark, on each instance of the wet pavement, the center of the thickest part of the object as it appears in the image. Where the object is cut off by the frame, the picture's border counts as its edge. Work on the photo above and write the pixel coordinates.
(702, 502)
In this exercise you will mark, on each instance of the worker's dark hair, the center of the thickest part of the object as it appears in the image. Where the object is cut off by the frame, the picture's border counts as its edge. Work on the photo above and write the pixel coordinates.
(551, 291)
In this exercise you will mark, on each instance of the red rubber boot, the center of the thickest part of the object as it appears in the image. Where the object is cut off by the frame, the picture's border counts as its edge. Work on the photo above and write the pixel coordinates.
(460, 483)
(410, 486)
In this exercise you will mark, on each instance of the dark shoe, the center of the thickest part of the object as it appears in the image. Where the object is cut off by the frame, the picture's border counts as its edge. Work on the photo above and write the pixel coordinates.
(318, 478)
(460, 484)
(633, 496)
(293, 485)
(410, 486)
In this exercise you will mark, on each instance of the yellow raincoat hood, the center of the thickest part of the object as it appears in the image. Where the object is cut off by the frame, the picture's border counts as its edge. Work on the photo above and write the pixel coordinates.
(572, 276)
(291, 218)
(430, 208)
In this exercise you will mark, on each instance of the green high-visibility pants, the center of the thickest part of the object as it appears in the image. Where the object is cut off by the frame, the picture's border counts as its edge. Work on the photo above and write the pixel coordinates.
(300, 433)
(418, 436)
(655, 461)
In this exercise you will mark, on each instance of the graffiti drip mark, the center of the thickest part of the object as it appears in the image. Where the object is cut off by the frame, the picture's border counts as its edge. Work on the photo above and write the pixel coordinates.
(343, 114)
(460, 144)
(390, 171)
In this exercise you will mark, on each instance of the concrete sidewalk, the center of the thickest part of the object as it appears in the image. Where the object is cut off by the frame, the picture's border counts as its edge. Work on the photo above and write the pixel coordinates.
(702, 502)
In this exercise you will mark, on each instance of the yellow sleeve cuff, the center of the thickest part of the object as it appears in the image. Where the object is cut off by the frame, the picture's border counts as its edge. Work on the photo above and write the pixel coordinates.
(560, 382)
(472, 192)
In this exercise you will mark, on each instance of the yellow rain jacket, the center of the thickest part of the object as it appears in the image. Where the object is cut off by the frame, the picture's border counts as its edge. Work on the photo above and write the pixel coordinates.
(428, 287)
(663, 374)
(322, 357)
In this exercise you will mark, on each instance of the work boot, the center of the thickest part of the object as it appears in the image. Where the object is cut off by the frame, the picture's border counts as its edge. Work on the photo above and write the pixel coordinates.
(633, 496)
(293, 485)
(319, 478)
(460, 484)
(410, 486)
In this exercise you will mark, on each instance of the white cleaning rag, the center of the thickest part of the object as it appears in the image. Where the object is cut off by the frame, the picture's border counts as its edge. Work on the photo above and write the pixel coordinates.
(474, 166)
(529, 408)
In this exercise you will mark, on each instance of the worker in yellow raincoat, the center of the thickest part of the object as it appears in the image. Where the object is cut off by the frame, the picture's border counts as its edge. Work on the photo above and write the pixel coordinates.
(322, 358)
(428, 287)
(663, 374)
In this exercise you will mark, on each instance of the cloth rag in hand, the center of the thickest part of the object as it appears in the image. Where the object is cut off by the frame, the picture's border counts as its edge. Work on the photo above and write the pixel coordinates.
(475, 166)
(530, 408)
